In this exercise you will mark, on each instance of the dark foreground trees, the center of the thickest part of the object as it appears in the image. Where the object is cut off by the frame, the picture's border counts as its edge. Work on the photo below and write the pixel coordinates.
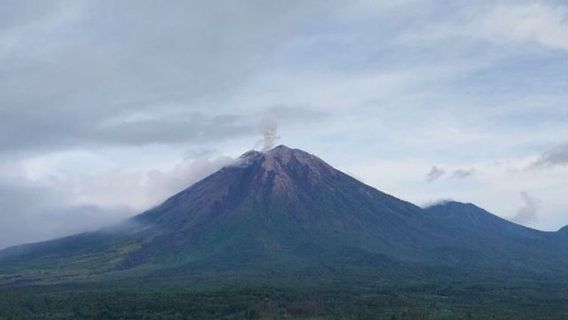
(179, 302)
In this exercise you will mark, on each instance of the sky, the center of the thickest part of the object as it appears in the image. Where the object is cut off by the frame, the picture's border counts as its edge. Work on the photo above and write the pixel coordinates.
(109, 107)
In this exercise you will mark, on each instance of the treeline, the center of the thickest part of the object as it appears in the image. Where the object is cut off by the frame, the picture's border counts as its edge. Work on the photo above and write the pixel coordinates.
(265, 303)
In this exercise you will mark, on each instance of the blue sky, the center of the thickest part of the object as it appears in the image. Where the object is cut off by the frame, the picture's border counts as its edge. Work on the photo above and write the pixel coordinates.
(107, 107)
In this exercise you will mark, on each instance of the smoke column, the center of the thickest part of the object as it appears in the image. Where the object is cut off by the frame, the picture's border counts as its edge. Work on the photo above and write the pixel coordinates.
(269, 130)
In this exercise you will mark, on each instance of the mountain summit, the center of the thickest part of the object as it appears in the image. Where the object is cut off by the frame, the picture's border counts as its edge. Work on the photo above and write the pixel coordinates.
(283, 202)
(285, 211)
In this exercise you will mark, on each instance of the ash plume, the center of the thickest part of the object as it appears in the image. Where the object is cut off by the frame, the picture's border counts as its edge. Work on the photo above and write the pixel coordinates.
(269, 130)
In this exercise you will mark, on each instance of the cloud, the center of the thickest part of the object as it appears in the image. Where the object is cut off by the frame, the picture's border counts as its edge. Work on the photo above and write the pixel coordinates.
(518, 27)
(141, 189)
(54, 206)
(432, 203)
(557, 156)
(77, 70)
(528, 213)
(463, 173)
(435, 174)
(32, 213)
(533, 22)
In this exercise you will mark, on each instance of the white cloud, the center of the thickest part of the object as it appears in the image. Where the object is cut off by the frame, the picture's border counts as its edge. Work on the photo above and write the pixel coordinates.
(546, 25)
(140, 189)
(528, 212)
(54, 195)
(501, 24)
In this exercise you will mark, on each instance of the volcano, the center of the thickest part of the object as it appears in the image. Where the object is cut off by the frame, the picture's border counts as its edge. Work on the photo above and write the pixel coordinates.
(287, 213)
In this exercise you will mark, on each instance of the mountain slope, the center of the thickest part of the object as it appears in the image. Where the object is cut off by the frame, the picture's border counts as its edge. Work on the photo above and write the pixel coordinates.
(477, 221)
(562, 236)
(506, 243)
(281, 204)
(286, 211)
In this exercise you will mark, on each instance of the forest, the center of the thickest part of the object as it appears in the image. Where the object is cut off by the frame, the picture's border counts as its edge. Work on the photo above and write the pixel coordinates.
(175, 301)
